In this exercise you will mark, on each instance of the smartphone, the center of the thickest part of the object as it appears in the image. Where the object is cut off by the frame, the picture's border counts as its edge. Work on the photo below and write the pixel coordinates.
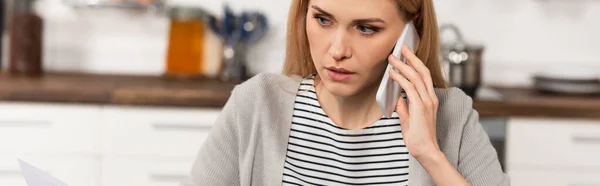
(389, 90)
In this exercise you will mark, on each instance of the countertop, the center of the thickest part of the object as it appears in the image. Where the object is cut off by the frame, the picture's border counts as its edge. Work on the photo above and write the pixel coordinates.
(528, 102)
(159, 91)
(115, 89)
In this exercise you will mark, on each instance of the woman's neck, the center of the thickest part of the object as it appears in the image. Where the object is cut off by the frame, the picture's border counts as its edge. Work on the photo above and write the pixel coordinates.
(355, 112)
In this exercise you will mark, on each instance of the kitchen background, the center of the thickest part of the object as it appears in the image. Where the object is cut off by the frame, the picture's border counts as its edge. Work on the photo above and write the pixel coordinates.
(521, 37)
(542, 139)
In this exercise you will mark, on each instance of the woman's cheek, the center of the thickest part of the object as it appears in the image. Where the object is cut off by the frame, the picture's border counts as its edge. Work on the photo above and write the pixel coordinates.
(317, 40)
(374, 57)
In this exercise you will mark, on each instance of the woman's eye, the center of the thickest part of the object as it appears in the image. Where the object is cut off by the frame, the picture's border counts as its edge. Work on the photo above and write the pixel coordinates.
(367, 30)
(323, 21)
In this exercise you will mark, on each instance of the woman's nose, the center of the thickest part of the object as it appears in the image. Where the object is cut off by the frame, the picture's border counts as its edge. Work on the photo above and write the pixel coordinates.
(339, 49)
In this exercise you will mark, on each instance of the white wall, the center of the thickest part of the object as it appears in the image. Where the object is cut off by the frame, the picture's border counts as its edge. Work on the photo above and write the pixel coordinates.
(521, 37)
(525, 36)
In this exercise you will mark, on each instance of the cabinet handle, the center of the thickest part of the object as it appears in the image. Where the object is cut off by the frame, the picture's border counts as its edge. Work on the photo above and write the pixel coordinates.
(181, 127)
(591, 184)
(21, 124)
(168, 177)
(586, 139)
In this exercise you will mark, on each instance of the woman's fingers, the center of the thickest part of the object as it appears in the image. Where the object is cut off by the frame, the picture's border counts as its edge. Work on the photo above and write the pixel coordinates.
(413, 77)
(420, 67)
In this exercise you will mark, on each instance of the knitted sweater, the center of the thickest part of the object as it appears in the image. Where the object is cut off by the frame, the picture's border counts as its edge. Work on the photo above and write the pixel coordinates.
(248, 142)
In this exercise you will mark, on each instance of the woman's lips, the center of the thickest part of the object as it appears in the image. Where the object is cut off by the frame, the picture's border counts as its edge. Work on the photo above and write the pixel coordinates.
(339, 74)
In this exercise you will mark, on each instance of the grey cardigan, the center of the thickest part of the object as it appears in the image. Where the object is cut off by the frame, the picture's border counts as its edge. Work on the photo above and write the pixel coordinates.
(248, 142)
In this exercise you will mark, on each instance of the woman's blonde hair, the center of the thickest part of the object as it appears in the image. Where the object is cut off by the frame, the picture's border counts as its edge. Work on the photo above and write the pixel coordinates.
(298, 60)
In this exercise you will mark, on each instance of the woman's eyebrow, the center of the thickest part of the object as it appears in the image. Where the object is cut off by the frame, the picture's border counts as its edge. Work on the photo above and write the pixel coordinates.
(322, 11)
(368, 20)
(356, 21)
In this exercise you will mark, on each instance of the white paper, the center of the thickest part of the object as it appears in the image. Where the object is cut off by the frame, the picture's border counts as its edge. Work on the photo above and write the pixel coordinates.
(36, 177)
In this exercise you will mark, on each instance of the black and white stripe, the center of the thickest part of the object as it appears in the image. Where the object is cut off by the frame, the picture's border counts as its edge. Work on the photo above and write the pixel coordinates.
(321, 153)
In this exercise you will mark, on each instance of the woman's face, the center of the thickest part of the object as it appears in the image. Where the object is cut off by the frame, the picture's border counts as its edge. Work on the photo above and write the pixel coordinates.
(350, 41)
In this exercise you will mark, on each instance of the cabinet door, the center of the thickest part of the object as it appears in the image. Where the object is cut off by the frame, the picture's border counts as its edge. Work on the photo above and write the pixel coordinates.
(123, 171)
(159, 132)
(48, 128)
(72, 170)
(556, 143)
(555, 178)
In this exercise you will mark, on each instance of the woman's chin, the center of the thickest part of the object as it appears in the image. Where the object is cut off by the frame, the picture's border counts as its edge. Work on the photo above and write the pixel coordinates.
(341, 89)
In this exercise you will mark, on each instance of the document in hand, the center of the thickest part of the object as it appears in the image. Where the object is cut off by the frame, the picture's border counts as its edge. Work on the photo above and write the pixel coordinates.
(36, 177)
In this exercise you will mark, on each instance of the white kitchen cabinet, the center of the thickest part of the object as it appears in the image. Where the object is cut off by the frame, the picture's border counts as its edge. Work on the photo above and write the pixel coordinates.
(48, 128)
(72, 170)
(161, 132)
(128, 171)
(523, 177)
(554, 142)
(553, 151)
(95, 145)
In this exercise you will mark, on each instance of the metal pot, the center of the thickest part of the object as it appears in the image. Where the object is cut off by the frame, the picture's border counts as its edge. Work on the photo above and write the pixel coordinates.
(462, 61)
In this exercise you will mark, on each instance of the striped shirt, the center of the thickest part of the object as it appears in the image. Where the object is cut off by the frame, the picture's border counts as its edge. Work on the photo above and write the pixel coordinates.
(321, 153)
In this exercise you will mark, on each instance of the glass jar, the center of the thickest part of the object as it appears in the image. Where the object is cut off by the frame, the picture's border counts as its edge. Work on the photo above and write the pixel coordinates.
(185, 56)
(25, 39)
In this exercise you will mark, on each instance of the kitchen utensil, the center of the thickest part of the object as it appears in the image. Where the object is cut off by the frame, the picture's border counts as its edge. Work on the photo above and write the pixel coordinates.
(250, 27)
(233, 68)
(463, 61)
(238, 33)
(568, 80)
(253, 27)
(224, 28)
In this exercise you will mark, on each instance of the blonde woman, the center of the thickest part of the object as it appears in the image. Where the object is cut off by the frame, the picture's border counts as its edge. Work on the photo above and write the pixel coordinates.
(319, 123)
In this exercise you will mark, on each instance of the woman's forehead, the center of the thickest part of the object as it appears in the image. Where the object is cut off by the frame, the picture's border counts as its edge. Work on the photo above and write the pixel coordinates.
(358, 9)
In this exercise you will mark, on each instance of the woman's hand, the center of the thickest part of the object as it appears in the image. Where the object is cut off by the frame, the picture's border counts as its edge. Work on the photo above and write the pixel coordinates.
(418, 119)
